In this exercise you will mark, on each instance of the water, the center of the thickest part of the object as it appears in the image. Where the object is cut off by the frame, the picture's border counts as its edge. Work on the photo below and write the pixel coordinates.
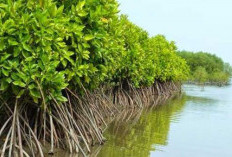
(199, 124)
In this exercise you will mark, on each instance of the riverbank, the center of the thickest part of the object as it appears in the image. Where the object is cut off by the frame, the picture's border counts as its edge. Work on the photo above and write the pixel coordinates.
(123, 122)
(209, 83)
(77, 127)
(106, 105)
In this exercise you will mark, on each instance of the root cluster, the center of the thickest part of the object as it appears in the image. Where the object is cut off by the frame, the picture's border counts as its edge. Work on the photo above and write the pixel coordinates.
(28, 130)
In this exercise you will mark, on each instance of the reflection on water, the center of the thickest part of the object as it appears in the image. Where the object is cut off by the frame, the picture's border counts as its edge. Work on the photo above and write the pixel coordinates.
(197, 124)
(138, 137)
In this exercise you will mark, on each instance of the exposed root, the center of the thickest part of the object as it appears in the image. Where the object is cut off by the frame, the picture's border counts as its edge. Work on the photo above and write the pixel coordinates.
(76, 124)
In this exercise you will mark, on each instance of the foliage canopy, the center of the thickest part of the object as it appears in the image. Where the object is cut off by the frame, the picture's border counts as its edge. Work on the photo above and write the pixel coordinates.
(207, 67)
(47, 46)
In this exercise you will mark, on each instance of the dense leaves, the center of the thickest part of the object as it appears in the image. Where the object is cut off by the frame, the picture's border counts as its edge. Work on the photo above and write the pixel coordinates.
(47, 46)
(146, 59)
(207, 67)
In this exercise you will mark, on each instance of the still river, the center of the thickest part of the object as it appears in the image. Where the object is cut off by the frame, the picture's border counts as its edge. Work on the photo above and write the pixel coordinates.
(196, 124)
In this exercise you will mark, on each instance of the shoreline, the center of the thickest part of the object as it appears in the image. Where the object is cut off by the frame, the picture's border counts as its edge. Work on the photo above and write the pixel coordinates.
(219, 84)
(78, 125)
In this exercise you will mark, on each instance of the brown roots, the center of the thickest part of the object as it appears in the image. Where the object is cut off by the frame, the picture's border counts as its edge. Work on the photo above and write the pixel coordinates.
(27, 130)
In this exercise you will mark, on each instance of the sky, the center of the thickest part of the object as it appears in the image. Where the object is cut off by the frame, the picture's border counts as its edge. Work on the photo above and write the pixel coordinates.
(195, 25)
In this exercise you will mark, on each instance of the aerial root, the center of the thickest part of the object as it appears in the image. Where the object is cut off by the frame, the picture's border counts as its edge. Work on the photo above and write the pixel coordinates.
(76, 124)
(16, 126)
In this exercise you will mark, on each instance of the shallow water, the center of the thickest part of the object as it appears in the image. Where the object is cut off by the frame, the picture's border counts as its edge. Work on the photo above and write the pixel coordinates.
(197, 124)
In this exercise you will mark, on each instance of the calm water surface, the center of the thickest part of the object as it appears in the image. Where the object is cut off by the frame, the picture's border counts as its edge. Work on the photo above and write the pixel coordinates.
(199, 124)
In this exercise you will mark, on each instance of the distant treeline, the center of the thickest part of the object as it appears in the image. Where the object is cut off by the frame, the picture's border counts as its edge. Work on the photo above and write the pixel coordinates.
(207, 68)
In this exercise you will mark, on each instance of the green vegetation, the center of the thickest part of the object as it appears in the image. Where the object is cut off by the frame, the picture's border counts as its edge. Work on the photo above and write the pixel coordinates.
(46, 47)
(54, 53)
(206, 67)
(200, 75)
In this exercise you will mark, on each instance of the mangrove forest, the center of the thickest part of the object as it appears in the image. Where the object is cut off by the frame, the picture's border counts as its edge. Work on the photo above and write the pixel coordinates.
(69, 67)
(207, 68)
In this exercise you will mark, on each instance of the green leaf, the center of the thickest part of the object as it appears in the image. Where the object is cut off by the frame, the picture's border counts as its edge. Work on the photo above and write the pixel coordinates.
(16, 53)
(8, 80)
(60, 10)
(27, 47)
(5, 72)
(59, 39)
(53, 10)
(15, 89)
(87, 79)
(88, 37)
(28, 59)
(36, 100)
(23, 76)
(80, 48)
(85, 55)
(80, 5)
(3, 58)
(12, 42)
(14, 76)
(4, 85)
(82, 13)
(2, 44)
(19, 83)
(64, 62)
(61, 98)
(20, 93)
(35, 93)
(25, 54)
(3, 5)
(32, 86)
